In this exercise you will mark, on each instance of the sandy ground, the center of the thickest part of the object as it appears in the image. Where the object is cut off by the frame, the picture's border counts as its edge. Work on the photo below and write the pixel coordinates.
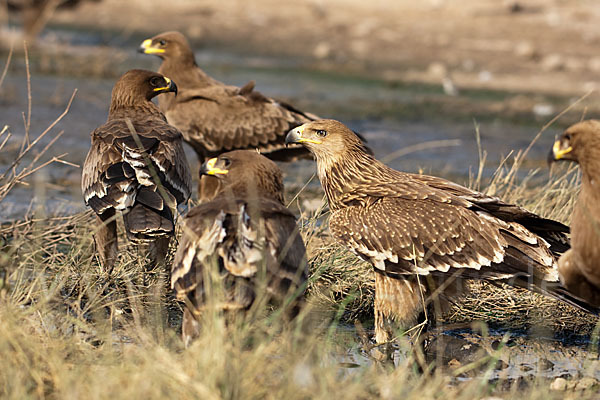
(547, 46)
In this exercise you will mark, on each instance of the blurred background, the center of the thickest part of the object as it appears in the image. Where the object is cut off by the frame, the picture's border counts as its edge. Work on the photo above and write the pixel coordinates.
(433, 85)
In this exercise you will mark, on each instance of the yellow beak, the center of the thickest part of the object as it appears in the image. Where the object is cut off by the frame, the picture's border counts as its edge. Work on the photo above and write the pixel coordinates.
(146, 47)
(209, 168)
(164, 88)
(170, 87)
(295, 136)
(558, 152)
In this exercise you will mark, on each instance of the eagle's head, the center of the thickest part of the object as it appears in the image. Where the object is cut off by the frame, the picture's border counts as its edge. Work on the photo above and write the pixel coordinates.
(579, 143)
(245, 173)
(137, 87)
(327, 139)
(172, 45)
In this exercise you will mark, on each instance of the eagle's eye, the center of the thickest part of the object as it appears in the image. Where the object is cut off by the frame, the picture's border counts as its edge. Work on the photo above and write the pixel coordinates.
(568, 137)
(321, 133)
(226, 162)
(162, 42)
(156, 81)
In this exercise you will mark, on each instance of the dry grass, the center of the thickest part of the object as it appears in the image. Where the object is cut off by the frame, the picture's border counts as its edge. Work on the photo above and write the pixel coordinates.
(70, 331)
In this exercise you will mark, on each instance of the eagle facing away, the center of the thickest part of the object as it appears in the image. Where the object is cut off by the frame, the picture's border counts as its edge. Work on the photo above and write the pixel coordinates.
(410, 225)
(244, 236)
(579, 267)
(136, 166)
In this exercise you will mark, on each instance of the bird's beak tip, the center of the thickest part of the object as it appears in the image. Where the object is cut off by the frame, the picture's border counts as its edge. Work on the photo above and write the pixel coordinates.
(144, 46)
(147, 48)
(293, 136)
(557, 153)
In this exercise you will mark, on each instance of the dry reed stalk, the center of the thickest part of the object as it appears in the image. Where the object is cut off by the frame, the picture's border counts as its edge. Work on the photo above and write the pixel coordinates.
(15, 173)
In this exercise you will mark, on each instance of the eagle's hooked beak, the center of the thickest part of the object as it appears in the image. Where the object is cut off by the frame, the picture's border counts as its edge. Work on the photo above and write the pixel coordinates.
(147, 48)
(557, 153)
(208, 168)
(295, 136)
(170, 87)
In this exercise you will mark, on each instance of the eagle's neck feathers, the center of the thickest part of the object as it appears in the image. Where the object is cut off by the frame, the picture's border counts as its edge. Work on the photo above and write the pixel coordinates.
(126, 107)
(589, 176)
(185, 73)
(342, 176)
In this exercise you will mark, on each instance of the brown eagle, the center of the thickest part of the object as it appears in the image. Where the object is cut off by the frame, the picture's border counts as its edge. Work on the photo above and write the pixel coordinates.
(418, 229)
(579, 267)
(244, 238)
(136, 166)
(215, 117)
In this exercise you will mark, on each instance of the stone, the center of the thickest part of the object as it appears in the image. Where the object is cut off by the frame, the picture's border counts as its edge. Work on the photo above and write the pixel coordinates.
(454, 363)
(322, 50)
(545, 364)
(559, 384)
(437, 70)
(553, 62)
(525, 49)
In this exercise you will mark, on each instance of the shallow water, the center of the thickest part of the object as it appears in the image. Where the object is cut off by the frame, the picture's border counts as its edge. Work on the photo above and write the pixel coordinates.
(510, 355)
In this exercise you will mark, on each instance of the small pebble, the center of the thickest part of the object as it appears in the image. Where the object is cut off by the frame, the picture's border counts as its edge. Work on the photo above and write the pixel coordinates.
(525, 49)
(559, 384)
(545, 364)
(552, 62)
(543, 110)
(485, 76)
(525, 367)
(454, 363)
(437, 70)
(322, 50)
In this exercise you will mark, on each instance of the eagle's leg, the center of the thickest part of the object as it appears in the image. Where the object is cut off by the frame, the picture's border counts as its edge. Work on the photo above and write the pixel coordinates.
(398, 303)
(158, 250)
(154, 255)
(398, 306)
(412, 305)
(105, 239)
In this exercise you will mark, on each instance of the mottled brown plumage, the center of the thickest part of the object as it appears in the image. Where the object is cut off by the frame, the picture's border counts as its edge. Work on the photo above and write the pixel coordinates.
(244, 238)
(136, 166)
(215, 117)
(411, 225)
(579, 267)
